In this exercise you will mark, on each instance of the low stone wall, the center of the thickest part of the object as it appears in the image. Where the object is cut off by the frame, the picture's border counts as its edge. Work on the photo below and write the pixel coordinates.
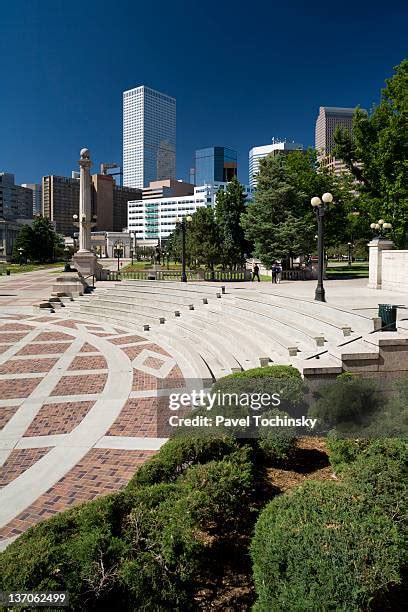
(395, 271)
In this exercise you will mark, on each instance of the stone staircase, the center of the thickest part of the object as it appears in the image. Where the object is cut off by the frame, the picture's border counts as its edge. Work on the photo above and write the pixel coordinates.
(223, 330)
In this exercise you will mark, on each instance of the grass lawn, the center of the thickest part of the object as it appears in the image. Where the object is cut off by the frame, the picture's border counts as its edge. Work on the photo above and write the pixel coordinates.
(146, 265)
(17, 269)
(356, 270)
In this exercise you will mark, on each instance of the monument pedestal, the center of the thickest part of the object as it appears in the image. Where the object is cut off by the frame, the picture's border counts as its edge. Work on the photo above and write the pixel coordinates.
(85, 263)
(70, 284)
(376, 247)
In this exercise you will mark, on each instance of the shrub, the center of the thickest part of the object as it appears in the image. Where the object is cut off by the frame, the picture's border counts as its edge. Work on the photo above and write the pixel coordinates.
(286, 381)
(343, 451)
(383, 480)
(347, 404)
(218, 494)
(143, 547)
(323, 547)
(180, 453)
(276, 444)
(274, 371)
(77, 550)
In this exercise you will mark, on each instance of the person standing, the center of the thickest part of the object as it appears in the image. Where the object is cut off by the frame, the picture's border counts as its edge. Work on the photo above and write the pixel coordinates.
(255, 272)
(278, 273)
(274, 272)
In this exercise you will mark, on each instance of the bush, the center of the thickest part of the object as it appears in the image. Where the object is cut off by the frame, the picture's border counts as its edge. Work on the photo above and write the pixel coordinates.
(141, 548)
(347, 404)
(180, 453)
(276, 444)
(324, 547)
(77, 551)
(384, 481)
(274, 371)
(219, 493)
(343, 451)
(284, 381)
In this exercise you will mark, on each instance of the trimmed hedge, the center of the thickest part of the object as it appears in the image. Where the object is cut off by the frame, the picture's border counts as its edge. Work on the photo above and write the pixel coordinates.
(180, 453)
(348, 404)
(324, 547)
(141, 548)
(273, 371)
(343, 451)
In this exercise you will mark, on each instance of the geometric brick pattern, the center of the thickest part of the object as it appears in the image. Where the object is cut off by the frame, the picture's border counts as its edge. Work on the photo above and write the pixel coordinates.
(18, 462)
(55, 419)
(101, 471)
(36, 380)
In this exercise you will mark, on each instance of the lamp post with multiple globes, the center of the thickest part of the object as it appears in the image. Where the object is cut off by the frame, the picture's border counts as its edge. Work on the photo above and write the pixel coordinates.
(380, 228)
(181, 224)
(320, 207)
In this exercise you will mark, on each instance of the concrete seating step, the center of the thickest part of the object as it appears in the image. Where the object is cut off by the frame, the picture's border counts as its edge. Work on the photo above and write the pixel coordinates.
(309, 324)
(240, 345)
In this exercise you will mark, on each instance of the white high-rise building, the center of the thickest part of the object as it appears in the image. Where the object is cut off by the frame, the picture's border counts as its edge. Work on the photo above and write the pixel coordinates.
(149, 136)
(154, 219)
(257, 153)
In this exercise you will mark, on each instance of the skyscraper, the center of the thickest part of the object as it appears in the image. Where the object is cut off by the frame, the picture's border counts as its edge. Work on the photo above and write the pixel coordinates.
(329, 118)
(37, 196)
(149, 136)
(214, 165)
(275, 148)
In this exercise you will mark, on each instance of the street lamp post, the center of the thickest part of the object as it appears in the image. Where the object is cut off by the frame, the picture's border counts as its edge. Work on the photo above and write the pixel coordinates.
(67, 267)
(117, 247)
(350, 253)
(182, 224)
(320, 207)
(380, 228)
(21, 251)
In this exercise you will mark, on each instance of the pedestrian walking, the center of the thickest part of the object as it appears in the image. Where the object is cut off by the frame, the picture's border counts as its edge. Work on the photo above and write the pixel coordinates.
(255, 272)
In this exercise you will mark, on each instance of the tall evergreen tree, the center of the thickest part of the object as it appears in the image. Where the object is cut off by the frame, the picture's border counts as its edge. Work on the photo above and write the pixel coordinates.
(230, 205)
(280, 221)
(377, 155)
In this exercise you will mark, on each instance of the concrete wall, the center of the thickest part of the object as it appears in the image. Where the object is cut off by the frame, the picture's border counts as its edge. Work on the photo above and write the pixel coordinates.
(395, 271)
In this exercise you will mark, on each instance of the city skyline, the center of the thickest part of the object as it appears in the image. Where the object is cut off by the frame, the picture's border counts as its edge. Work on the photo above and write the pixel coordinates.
(65, 83)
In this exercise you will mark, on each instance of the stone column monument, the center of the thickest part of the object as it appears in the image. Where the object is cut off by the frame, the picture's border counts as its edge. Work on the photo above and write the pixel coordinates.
(84, 260)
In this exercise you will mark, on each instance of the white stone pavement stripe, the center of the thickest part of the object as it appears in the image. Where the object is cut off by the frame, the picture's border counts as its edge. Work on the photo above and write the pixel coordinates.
(45, 473)
(53, 399)
(28, 338)
(28, 410)
(12, 376)
(53, 355)
(130, 443)
(118, 442)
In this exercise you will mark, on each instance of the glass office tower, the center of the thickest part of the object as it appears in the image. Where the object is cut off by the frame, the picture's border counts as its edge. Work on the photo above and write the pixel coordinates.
(214, 165)
(149, 137)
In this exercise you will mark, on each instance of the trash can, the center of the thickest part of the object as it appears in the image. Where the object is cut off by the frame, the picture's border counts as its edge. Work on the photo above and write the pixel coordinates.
(388, 315)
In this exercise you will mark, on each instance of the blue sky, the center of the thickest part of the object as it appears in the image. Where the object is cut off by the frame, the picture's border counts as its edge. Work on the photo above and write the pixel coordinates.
(242, 72)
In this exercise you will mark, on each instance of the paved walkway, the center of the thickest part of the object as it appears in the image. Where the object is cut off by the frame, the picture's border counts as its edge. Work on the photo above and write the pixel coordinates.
(79, 406)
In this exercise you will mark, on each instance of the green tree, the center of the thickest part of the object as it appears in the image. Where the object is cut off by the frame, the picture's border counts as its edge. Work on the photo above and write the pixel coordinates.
(230, 205)
(280, 221)
(39, 242)
(377, 156)
(203, 238)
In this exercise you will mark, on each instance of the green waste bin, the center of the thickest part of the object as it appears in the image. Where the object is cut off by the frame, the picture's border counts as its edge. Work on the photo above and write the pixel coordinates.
(388, 315)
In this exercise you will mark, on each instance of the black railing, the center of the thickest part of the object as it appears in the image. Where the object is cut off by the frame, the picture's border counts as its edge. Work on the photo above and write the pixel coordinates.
(175, 275)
